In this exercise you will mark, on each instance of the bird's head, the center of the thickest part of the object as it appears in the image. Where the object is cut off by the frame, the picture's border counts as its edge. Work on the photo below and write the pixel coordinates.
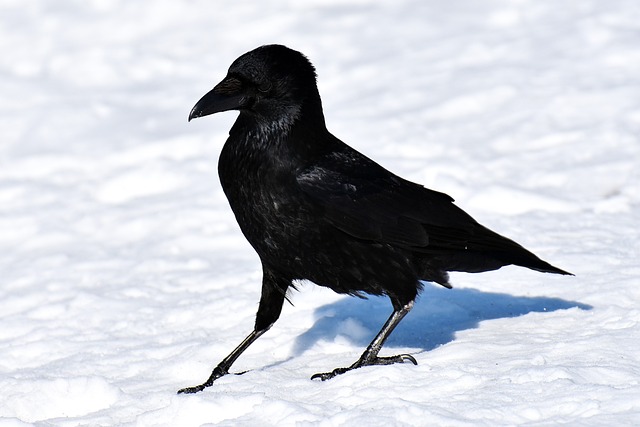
(270, 83)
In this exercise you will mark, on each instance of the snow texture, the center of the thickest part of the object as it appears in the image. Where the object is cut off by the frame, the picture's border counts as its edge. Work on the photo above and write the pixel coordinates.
(124, 277)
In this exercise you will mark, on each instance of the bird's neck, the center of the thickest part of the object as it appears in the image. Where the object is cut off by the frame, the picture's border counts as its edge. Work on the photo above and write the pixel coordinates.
(300, 130)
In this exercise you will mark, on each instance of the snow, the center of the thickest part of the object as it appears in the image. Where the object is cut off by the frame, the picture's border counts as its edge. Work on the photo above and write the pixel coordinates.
(124, 277)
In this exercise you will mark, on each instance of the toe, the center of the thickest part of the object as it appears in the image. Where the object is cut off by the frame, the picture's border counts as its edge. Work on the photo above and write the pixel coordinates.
(191, 390)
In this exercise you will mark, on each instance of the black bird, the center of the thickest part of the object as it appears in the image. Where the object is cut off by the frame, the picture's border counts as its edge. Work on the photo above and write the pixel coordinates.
(314, 208)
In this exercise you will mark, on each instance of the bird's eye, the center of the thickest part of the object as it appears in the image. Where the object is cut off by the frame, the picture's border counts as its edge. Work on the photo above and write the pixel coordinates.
(265, 87)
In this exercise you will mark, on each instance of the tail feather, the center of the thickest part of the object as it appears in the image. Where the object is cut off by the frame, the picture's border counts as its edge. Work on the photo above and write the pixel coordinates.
(474, 250)
(537, 264)
(512, 252)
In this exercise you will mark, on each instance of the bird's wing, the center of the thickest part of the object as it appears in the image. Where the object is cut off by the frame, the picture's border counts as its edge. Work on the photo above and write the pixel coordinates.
(365, 201)
(371, 203)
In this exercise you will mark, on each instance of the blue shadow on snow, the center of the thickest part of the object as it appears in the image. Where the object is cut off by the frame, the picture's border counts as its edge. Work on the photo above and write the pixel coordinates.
(436, 317)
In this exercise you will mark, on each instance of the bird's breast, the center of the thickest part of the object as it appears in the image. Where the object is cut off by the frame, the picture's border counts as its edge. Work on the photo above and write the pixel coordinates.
(263, 195)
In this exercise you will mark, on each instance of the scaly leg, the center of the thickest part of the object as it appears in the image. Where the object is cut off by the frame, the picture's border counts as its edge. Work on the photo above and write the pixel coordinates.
(223, 367)
(370, 355)
(274, 288)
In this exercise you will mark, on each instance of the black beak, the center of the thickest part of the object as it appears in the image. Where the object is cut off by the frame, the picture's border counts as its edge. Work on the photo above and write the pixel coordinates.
(227, 95)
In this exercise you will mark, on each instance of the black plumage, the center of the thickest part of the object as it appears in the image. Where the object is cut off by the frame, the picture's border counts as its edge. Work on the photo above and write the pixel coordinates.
(314, 208)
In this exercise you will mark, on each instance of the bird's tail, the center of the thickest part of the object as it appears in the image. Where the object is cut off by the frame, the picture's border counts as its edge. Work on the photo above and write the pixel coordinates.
(537, 264)
(511, 252)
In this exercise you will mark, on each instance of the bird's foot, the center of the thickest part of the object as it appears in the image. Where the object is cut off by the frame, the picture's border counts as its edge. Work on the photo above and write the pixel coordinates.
(217, 373)
(401, 358)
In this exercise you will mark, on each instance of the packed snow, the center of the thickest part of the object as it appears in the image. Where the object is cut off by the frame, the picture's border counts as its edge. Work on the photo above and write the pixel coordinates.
(124, 276)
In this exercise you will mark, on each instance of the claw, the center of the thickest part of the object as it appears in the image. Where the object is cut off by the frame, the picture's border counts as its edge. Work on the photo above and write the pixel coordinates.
(328, 375)
(191, 390)
(408, 358)
(401, 358)
(217, 373)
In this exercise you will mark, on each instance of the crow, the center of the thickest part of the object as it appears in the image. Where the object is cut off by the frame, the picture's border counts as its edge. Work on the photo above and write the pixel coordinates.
(315, 209)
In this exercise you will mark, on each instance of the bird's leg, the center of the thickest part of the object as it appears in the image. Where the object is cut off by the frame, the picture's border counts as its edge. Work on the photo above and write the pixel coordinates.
(370, 355)
(223, 367)
(274, 288)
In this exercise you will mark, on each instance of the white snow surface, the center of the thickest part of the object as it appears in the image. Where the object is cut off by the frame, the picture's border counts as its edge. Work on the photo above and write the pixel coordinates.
(124, 276)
